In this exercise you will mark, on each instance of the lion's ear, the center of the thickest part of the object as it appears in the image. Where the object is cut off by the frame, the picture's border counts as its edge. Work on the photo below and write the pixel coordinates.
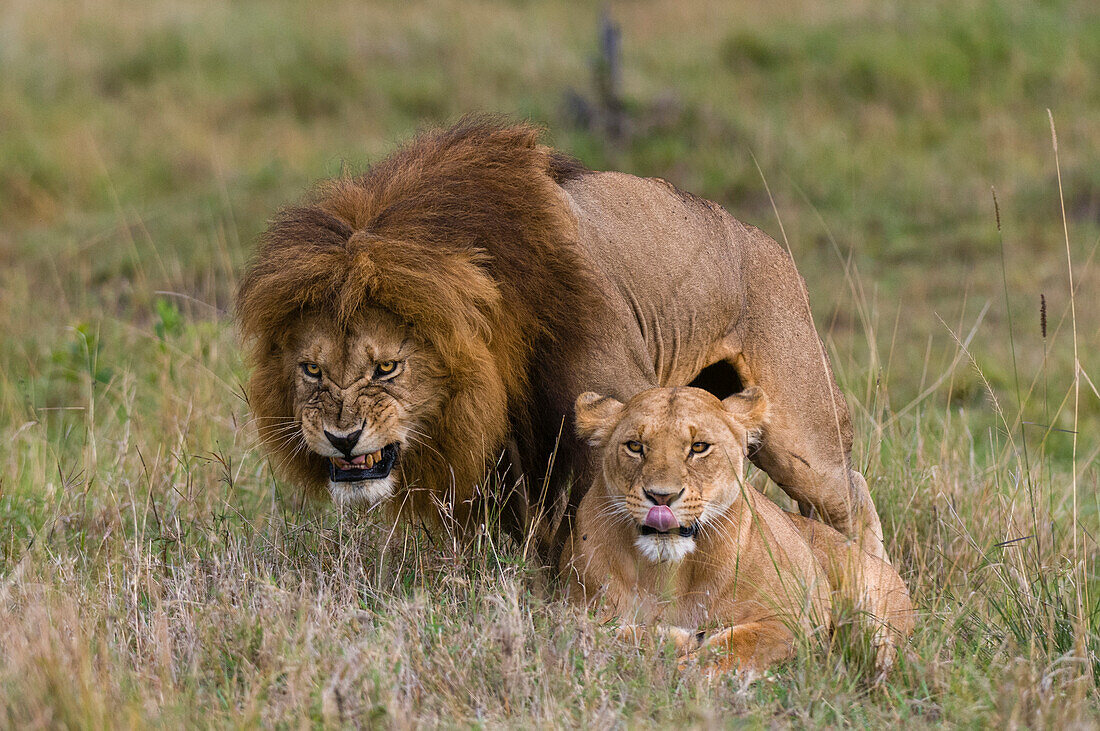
(749, 409)
(596, 417)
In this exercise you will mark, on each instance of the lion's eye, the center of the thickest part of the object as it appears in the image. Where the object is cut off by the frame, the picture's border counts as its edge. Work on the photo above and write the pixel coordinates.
(312, 370)
(699, 447)
(385, 369)
(634, 447)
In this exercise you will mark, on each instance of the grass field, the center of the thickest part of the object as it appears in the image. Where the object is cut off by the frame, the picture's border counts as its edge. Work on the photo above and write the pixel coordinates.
(152, 570)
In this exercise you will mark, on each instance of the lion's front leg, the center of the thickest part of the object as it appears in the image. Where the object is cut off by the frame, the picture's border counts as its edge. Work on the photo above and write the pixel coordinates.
(806, 445)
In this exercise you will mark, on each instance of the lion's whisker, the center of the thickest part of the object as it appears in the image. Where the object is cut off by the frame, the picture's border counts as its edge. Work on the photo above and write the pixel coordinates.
(423, 442)
(288, 457)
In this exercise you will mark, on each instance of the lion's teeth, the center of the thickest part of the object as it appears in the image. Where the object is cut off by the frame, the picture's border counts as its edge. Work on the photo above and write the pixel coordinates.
(369, 461)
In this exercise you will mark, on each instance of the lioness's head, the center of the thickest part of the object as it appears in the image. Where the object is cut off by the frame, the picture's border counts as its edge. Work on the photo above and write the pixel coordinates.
(362, 395)
(672, 459)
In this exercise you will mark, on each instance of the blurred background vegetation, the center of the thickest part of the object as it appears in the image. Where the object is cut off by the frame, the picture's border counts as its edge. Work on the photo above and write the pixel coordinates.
(146, 144)
(143, 145)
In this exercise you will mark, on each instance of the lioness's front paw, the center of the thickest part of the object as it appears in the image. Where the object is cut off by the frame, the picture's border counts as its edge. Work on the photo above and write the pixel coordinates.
(715, 667)
(637, 634)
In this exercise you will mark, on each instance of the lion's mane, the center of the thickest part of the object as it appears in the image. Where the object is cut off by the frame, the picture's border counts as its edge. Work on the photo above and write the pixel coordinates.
(463, 234)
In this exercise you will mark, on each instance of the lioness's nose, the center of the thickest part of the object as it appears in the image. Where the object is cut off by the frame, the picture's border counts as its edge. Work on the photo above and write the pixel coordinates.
(661, 497)
(345, 443)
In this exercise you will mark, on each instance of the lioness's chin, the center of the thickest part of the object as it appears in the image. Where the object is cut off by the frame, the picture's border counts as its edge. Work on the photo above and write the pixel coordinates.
(367, 493)
(664, 547)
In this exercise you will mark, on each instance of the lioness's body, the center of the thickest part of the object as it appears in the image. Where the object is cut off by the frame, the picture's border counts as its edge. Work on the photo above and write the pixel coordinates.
(527, 280)
(750, 576)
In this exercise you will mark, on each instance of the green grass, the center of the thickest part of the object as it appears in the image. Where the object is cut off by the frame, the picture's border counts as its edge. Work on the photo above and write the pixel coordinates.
(153, 572)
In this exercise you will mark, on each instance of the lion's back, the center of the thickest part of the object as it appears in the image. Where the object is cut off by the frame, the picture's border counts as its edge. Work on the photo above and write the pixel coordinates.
(647, 224)
(668, 265)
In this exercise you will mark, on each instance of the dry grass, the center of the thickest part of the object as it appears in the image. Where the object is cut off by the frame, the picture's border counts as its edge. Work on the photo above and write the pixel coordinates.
(153, 572)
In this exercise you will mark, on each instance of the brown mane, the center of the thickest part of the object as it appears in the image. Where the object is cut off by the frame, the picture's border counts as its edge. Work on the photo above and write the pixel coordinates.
(463, 234)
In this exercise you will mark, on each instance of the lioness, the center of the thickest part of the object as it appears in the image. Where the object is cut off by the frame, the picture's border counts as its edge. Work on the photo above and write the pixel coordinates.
(434, 318)
(671, 536)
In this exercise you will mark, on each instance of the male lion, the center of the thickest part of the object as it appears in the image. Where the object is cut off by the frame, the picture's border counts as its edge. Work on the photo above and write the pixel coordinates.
(417, 326)
(670, 536)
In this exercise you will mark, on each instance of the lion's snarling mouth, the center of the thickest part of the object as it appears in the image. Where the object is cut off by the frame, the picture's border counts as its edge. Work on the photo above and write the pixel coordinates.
(375, 466)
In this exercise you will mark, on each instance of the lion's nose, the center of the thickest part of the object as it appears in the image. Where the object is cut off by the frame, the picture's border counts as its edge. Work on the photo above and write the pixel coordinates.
(662, 497)
(345, 443)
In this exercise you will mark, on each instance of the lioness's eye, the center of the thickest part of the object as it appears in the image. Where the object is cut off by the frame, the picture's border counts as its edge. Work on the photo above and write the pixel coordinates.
(312, 370)
(385, 368)
(699, 447)
(634, 447)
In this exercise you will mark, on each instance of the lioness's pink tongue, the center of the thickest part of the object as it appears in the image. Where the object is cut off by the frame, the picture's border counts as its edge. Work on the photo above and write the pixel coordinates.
(660, 518)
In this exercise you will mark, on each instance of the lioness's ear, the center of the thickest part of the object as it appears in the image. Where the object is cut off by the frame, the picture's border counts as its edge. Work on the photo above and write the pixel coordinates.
(596, 417)
(749, 409)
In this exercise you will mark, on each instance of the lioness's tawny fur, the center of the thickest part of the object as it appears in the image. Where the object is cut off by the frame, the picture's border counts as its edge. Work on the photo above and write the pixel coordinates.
(672, 539)
(499, 280)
